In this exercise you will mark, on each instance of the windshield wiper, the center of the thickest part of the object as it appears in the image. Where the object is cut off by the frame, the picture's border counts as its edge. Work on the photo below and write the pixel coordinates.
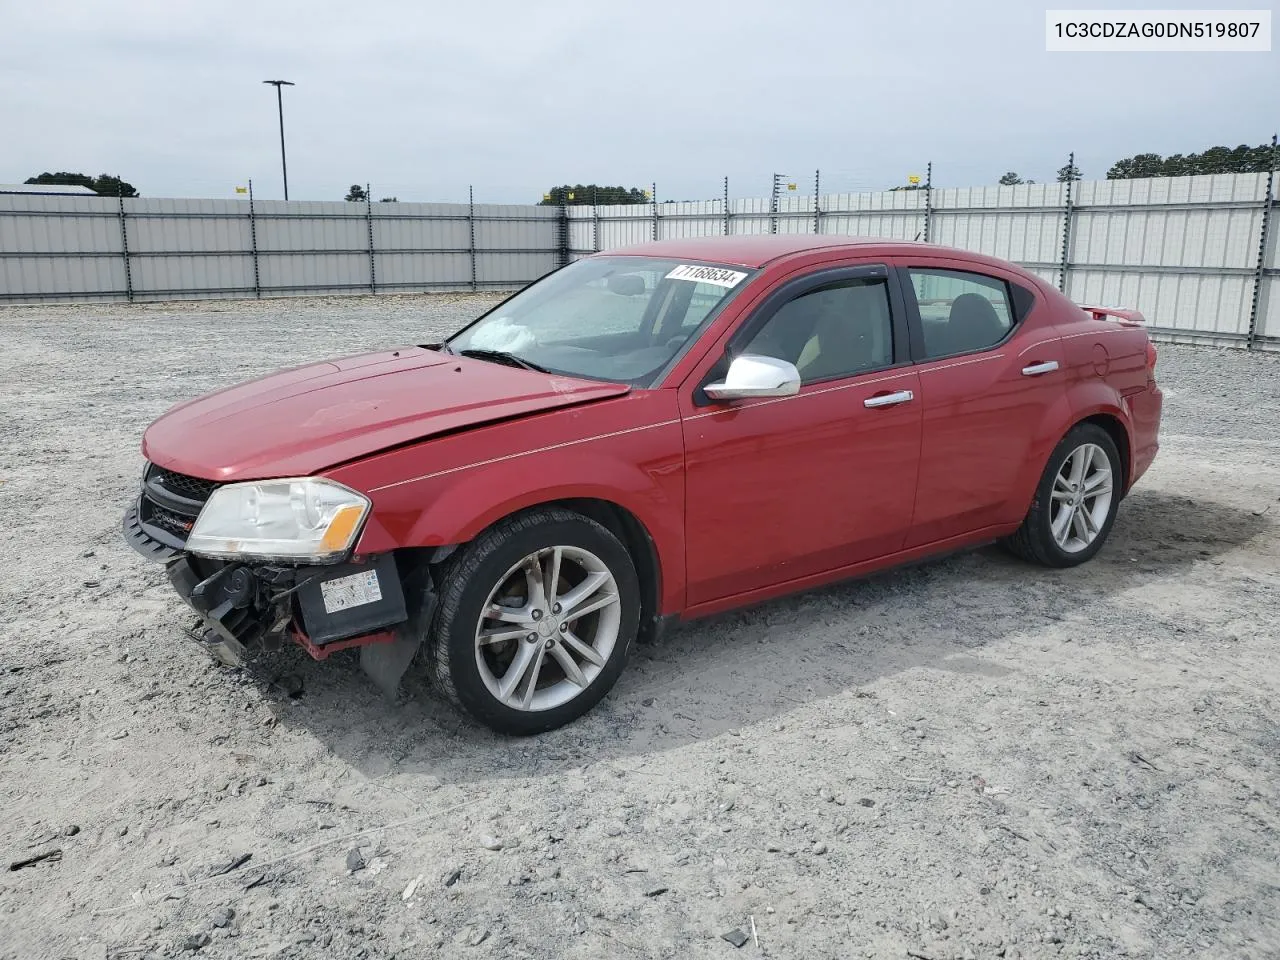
(501, 356)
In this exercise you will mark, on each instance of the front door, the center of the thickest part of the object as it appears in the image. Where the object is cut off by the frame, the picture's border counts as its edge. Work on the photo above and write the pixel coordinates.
(783, 488)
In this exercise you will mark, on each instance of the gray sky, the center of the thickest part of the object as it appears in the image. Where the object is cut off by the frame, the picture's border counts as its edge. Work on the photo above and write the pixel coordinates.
(423, 98)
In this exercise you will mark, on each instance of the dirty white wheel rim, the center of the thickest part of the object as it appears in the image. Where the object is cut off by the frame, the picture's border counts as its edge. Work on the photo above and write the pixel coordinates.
(1082, 492)
(547, 628)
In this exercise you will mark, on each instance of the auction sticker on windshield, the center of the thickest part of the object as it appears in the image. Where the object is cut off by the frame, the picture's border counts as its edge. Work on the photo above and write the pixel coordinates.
(714, 275)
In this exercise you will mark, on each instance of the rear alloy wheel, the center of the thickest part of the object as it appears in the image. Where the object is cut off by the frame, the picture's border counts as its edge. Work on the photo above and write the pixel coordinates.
(1080, 502)
(535, 622)
(1075, 502)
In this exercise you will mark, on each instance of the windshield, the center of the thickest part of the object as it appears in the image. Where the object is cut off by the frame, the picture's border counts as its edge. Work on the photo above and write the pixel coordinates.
(606, 318)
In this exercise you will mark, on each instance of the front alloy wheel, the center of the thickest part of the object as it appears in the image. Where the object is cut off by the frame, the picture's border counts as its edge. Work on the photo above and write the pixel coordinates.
(548, 628)
(535, 620)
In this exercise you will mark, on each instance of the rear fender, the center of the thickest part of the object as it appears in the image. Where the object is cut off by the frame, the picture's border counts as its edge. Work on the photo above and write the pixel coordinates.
(1096, 397)
(1051, 429)
(1088, 399)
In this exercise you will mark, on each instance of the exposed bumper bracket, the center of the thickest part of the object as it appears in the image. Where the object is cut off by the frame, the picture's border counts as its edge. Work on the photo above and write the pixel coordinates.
(223, 603)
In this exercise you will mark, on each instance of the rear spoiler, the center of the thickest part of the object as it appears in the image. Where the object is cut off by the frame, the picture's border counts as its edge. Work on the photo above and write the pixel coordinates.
(1129, 318)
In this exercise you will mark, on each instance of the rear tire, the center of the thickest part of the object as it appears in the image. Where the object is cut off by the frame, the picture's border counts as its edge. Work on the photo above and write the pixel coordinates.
(1075, 503)
(535, 621)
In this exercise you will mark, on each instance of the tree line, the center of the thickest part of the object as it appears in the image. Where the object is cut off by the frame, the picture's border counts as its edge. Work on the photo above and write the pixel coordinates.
(358, 194)
(578, 194)
(1240, 159)
(104, 184)
(1066, 172)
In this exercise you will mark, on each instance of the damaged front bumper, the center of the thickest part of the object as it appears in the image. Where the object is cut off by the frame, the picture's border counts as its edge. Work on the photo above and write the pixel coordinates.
(253, 607)
(246, 608)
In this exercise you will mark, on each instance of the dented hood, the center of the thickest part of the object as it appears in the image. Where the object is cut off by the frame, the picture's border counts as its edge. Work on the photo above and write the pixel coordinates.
(300, 421)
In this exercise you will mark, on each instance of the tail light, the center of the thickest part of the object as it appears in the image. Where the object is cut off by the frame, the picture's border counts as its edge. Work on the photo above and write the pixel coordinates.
(1151, 362)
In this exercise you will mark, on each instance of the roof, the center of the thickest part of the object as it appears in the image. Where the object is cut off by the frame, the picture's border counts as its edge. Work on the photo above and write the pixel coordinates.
(756, 250)
(46, 188)
(748, 250)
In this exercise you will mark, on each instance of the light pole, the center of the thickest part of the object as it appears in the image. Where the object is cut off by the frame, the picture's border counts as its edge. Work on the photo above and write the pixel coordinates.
(284, 167)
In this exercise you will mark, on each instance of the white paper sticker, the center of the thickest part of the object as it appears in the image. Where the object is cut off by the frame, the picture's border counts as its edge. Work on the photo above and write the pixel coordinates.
(353, 591)
(718, 276)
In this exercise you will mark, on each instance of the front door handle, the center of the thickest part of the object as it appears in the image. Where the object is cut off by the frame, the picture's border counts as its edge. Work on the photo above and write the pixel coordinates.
(1036, 369)
(889, 399)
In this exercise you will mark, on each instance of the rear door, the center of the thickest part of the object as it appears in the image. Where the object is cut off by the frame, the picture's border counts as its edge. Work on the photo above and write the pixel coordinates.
(782, 488)
(990, 365)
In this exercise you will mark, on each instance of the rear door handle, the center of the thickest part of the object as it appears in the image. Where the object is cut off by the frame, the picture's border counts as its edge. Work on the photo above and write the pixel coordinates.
(1036, 369)
(889, 399)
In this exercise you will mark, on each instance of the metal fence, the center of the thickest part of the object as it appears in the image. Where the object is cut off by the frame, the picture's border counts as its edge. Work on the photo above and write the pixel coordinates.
(1198, 255)
(70, 248)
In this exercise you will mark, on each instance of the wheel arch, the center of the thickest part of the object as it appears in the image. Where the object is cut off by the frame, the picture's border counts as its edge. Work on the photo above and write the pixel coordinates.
(1120, 436)
(619, 520)
(1102, 411)
(628, 528)
(632, 484)
(1034, 538)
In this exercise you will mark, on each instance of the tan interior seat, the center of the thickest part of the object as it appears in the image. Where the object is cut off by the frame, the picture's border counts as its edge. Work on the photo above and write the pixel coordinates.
(851, 333)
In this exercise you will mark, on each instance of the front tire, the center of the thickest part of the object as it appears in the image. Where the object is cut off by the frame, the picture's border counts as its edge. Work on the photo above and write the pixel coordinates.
(1075, 503)
(535, 622)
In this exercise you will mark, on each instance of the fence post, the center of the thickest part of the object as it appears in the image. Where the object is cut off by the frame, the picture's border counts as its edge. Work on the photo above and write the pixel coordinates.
(253, 241)
(817, 208)
(368, 215)
(726, 206)
(595, 220)
(1259, 272)
(564, 228)
(1066, 224)
(654, 193)
(773, 205)
(471, 225)
(124, 246)
(928, 199)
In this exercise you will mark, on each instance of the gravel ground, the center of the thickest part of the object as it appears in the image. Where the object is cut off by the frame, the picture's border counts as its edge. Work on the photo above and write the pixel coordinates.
(970, 758)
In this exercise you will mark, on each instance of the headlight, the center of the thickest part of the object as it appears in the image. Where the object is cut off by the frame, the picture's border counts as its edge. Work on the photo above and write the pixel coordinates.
(304, 519)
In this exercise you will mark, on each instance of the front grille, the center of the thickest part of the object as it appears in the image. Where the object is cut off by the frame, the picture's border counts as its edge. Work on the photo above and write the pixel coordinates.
(193, 488)
(170, 503)
(168, 520)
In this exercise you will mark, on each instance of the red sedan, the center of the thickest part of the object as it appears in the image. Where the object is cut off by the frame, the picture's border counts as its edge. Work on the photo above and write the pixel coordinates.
(645, 436)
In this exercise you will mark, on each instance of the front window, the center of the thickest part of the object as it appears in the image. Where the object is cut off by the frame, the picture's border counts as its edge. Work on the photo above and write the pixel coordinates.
(839, 330)
(606, 318)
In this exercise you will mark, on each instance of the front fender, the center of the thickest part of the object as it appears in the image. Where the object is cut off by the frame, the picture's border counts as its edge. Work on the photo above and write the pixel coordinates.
(627, 452)
(467, 506)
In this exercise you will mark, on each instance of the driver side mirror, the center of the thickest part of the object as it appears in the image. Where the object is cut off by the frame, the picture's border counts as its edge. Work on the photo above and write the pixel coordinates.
(755, 376)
